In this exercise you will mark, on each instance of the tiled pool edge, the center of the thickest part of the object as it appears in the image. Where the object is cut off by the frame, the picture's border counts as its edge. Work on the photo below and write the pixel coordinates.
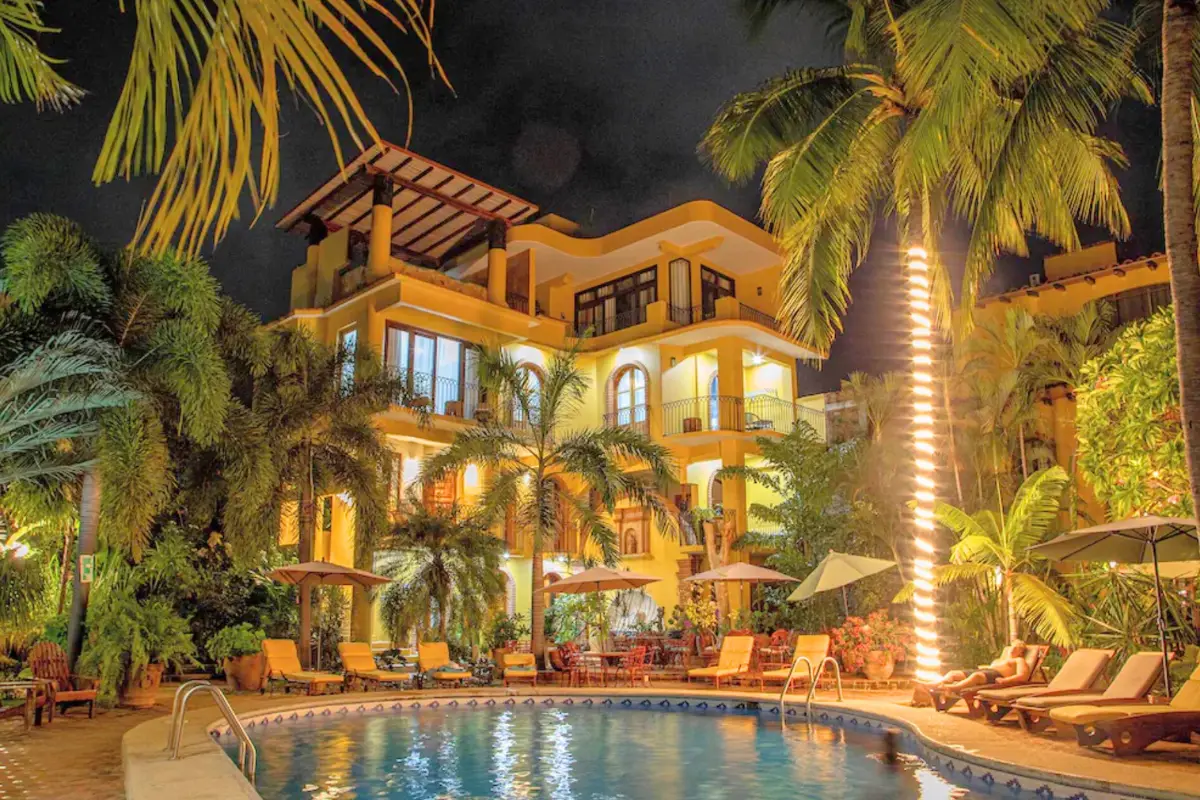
(981, 773)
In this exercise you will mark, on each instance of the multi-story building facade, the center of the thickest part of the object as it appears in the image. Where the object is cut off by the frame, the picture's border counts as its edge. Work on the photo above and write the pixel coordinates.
(674, 318)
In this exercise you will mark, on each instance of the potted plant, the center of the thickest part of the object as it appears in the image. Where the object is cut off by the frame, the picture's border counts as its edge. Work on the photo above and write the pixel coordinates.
(238, 649)
(131, 643)
(874, 645)
(505, 631)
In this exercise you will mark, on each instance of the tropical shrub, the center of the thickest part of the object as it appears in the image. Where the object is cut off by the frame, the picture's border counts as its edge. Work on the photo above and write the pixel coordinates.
(701, 614)
(1129, 426)
(507, 628)
(125, 635)
(856, 637)
(242, 639)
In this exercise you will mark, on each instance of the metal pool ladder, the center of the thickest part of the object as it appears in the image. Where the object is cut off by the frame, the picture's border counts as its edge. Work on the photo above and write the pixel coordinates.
(812, 683)
(247, 755)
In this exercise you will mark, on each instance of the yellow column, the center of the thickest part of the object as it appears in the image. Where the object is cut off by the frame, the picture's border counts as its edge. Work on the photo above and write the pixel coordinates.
(379, 249)
(730, 384)
(497, 263)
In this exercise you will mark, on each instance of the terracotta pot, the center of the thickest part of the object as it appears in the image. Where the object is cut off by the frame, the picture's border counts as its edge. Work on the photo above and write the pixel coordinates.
(879, 665)
(142, 686)
(244, 672)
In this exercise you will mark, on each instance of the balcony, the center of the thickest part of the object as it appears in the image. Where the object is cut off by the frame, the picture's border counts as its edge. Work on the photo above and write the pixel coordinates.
(759, 414)
(448, 397)
(689, 315)
(617, 322)
(636, 418)
(517, 302)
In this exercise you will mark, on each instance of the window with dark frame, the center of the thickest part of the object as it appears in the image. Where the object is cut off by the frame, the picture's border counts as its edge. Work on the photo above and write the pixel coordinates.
(1134, 304)
(441, 368)
(618, 304)
(714, 285)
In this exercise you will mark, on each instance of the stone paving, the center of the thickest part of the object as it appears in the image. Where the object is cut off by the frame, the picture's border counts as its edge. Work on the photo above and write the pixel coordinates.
(81, 758)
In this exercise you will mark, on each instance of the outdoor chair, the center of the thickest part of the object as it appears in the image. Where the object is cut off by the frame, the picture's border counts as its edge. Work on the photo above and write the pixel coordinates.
(1133, 727)
(359, 664)
(48, 663)
(944, 699)
(283, 664)
(811, 656)
(520, 667)
(677, 650)
(633, 665)
(1079, 673)
(1131, 685)
(734, 660)
(433, 658)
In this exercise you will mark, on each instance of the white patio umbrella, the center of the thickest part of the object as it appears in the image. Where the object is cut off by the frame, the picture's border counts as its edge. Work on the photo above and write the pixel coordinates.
(836, 571)
(1137, 540)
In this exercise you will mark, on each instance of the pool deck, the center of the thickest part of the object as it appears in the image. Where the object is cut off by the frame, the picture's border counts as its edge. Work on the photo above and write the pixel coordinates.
(122, 753)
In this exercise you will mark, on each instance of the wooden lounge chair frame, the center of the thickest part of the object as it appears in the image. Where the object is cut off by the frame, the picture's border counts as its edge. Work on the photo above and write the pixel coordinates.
(368, 678)
(996, 710)
(944, 700)
(1037, 720)
(48, 663)
(311, 682)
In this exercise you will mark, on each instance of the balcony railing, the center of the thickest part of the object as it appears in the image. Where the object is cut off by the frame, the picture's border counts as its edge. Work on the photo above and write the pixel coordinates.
(689, 315)
(727, 413)
(447, 396)
(635, 418)
(748, 314)
(617, 322)
(517, 302)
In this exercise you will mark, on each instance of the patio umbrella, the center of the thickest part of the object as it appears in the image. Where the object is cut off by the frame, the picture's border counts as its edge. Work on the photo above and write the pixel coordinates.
(836, 571)
(742, 572)
(598, 579)
(320, 573)
(1137, 540)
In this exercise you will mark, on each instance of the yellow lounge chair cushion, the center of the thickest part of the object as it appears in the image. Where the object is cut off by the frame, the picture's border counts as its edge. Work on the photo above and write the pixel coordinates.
(356, 657)
(520, 672)
(382, 675)
(449, 675)
(313, 677)
(1086, 715)
(1043, 703)
(715, 672)
(781, 674)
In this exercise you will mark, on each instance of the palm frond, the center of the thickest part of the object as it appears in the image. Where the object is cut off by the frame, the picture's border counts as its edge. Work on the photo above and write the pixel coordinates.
(27, 73)
(1050, 614)
(1035, 508)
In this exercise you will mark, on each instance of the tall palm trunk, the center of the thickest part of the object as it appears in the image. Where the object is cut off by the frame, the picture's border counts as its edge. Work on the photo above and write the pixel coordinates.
(952, 450)
(537, 609)
(714, 561)
(306, 532)
(89, 525)
(1179, 216)
(443, 604)
(1010, 608)
(65, 571)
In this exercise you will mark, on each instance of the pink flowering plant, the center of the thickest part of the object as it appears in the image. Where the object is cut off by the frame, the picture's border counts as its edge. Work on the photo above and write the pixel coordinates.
(857, 636)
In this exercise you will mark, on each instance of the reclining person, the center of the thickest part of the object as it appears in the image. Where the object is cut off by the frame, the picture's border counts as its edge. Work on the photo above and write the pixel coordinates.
(1010, 669)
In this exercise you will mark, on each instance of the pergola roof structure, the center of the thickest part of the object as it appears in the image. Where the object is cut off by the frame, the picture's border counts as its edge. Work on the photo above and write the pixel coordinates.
(437, 212)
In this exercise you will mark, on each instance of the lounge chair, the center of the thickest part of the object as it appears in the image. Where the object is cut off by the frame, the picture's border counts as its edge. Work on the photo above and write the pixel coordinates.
(1132, 684)
(520, 667)
(283, 664)
(48, 663)
(1079, 673)
(359, 664)
(733, 660)
(810, 657)
(944, 699)
(1133, 727)
(433, 658)
(922, 692)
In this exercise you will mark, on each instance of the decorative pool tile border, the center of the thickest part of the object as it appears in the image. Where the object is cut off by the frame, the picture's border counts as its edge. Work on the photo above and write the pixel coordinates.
(969, 770)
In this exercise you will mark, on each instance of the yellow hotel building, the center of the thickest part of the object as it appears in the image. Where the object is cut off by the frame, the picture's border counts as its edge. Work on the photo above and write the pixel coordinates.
(675, 316)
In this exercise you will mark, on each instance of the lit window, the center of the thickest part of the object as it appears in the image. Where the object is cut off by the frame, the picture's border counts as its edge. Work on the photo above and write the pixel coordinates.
(631, 397)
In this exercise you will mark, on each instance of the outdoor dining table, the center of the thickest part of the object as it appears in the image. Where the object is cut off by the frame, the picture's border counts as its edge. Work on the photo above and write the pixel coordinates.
(607, 658)
(31, 689)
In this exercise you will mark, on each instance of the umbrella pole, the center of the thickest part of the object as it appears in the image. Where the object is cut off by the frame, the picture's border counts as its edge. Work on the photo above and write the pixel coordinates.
(1162, 621)
(305, 622)
(845, 601)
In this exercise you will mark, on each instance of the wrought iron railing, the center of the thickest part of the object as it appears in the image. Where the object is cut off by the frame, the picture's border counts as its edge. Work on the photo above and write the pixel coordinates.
(690, 315)
(748, 314)
(437, 395)
(696, 414)
(517, 302)
(766, 413)
(635, 418)
(617, 322)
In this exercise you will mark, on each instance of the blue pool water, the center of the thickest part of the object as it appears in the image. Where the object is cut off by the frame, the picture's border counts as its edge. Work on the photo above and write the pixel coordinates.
(578, 753)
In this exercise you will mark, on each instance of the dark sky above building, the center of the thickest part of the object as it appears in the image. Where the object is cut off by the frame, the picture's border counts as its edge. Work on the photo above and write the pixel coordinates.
(590, 109)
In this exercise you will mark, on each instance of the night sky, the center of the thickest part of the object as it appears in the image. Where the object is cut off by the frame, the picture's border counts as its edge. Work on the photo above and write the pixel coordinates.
(590, 109)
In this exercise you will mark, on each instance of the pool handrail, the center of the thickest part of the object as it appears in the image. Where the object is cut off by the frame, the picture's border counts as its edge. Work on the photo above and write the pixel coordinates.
(812, 683)
(247, 754)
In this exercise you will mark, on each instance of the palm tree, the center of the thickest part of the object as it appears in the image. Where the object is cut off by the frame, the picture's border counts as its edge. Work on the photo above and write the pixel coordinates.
(1179, 119)
(531, 464)
(161, 314)
(446, 565)
(993, 550)
(996, 113)
(200, 105)
(879, 398)
(312, 433)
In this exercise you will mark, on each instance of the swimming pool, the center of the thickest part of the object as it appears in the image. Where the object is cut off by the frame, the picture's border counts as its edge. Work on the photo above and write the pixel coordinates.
(573, 752)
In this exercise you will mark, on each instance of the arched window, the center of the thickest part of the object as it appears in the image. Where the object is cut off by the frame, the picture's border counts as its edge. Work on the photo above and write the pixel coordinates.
(628, 405)
(534, 383)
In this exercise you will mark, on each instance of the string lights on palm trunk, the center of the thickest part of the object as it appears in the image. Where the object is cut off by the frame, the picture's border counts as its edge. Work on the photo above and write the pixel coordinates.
(924, 453)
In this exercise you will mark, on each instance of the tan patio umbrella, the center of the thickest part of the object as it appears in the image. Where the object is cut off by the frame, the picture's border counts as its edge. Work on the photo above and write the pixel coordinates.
(320, 573)
(742, 572)
(598, 579)
(1137, 540)
(836, 571)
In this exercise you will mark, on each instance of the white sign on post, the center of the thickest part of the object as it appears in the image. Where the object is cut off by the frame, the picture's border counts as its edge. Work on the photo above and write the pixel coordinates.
(87, 568)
